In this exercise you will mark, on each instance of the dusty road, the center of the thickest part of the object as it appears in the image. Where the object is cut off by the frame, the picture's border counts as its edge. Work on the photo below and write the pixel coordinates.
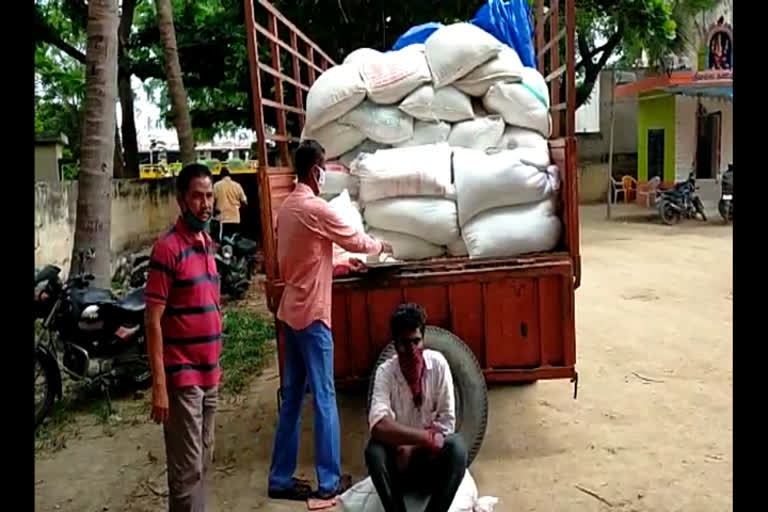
(651, 429)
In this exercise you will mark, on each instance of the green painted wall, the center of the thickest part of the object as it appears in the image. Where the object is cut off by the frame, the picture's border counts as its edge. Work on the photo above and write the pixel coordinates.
(658, 112)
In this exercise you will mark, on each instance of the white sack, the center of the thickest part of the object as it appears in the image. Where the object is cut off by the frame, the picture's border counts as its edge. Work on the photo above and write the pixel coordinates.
(380, 123)
(505, 67)
(335, 92)
(362, 497)
(455, 50)
(457, 248)
(484, 181)
(447, 104)
(407, 247)
(524, 104)
(368, 146)
(481, 133)
(362, 55)
(336, 138)
(513, 230)
(390, 77)
(412, 171)
(337, 182)
(349, 211)
(429, 218)
(515, 137)
(427, 132)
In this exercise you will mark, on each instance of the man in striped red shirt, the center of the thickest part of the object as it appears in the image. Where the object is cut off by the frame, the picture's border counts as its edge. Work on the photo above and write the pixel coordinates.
(183, 322)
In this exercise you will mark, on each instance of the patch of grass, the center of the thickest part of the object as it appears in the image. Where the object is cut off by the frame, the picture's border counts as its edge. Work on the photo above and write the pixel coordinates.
(243, 348)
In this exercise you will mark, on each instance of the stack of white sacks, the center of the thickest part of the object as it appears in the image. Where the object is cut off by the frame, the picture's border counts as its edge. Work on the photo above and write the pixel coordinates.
(442, 145)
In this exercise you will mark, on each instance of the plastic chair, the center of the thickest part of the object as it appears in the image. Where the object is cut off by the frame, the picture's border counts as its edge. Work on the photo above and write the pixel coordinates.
(616, 188)
(649, 192)
(630, 187)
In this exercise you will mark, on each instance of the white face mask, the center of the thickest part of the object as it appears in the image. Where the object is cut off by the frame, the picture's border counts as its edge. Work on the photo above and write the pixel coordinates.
(320, 176)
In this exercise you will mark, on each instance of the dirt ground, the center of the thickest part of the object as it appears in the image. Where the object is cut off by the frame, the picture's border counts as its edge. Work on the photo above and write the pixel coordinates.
(651, 429)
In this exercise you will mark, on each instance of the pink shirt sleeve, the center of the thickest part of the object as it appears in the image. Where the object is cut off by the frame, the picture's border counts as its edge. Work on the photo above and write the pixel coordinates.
(345, 236)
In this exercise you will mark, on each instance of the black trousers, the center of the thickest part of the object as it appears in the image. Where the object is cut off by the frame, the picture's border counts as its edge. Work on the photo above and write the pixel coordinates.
(439, 476)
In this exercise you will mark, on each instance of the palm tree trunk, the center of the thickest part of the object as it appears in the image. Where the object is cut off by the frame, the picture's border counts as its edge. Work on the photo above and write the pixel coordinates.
(125, 92)
(94, 197)
(176, 90)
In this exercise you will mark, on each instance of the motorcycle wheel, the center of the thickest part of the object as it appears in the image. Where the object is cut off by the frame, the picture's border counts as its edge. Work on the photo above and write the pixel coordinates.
(669, 215)
(44, 393)
(725, 210)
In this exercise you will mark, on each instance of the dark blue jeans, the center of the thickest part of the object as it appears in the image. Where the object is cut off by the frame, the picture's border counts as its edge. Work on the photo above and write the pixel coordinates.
(308, 358)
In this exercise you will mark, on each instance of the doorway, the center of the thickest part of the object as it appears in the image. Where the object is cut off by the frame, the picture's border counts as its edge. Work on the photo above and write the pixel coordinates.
(656, 153)
(708, 145)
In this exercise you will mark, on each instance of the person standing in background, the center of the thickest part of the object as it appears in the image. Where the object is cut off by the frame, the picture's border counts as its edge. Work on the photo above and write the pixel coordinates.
(307, 228)
(229, 198)
(183, 332)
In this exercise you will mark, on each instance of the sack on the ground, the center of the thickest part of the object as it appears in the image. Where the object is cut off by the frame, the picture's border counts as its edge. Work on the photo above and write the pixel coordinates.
(362, 497)
(368, 146)
(513, 230)
(455, 50)
(515, 138)
(336, 138)
(390, 77)
(407, 247)
(381, 123)
(481, 133)
(335, 92)
(457, 248)
(427, 132)
(361, 55)
(505, 67)
(429, 218)
(484, 181)
(398, 172)
(446, 104)
(524, 104)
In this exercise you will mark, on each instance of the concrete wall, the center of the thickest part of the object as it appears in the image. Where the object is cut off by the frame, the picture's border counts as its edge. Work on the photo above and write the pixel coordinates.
(47, 162)
(141, 211)
(685, 133)
(656, 112)
(594, 147)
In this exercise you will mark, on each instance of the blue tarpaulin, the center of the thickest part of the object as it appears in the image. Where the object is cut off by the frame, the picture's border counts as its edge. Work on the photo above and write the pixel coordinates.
(416, 35)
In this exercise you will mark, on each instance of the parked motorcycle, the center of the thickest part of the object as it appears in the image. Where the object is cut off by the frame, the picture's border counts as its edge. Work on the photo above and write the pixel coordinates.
(235, 259)
(87, 333)
(680, 202)
(725, 205)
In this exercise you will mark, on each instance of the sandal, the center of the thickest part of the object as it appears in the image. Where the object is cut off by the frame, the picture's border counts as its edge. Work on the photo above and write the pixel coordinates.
(345, 482)
(300, 491)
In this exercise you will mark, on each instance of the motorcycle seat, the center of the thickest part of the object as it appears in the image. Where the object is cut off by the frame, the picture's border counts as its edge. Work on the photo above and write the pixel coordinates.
(133, 302)
(246, 246)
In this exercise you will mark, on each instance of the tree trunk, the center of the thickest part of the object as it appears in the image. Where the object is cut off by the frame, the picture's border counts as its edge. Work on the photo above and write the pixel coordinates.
(176, 90)
(94, 198)
(125, 93)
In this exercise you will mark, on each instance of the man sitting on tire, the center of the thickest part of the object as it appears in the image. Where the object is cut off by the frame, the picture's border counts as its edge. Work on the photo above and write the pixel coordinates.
(412, 419)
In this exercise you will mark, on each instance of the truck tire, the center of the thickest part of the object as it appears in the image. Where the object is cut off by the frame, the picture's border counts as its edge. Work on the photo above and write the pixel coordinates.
(468, 383)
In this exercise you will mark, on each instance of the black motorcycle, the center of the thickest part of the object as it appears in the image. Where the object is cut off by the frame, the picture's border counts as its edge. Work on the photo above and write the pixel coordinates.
(87, 333)
(680, 202)
(234, 262)
(725, 205)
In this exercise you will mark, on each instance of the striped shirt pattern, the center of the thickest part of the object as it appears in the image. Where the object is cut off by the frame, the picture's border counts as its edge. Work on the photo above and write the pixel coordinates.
(182, 277)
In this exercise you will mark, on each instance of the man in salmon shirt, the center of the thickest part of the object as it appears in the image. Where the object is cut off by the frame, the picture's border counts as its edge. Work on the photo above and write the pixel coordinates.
(307, 228)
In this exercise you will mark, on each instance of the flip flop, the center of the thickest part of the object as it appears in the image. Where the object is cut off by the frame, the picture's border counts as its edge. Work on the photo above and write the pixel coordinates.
(345, 482)
(300, 491)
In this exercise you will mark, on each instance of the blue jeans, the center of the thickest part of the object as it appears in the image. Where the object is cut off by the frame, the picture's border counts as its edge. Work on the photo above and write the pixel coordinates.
(308, 356)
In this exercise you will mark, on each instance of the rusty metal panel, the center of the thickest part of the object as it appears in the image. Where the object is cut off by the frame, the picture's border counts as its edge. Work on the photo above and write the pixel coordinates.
(361, 351)
(467, 316)
(434, 299)
(381, 304)
(512, 333)
(554, 322)
(342, 362)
